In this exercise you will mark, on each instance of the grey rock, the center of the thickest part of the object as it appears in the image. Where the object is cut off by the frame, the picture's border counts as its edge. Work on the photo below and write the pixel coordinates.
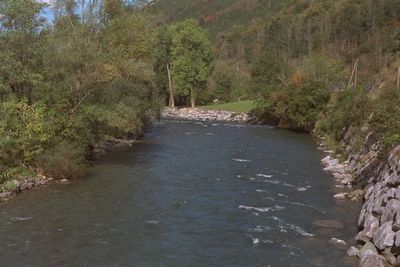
(377, 189)
(378, 203)
(204, 115)
(353, 252)
(392, 208)
(373, 261)
(389, 256)
(397, 239)
(22, 219)
(368, 191)
(397, 193)
(368, 232)
(368, 249)
(336, 241)
(393, 180)
(390, 195)
(341, 196)
(396, 222)
(384, 236)
(361, 218)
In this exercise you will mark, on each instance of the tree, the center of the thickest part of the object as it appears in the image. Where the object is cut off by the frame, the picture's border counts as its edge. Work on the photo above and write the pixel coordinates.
(164, 59)
(192, 58)
(21, 47)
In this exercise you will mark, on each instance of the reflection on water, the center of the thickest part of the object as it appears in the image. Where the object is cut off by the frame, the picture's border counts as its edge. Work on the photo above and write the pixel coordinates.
(192, 194)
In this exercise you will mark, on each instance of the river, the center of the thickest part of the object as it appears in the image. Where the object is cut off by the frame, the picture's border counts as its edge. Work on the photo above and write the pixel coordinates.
(191, 194)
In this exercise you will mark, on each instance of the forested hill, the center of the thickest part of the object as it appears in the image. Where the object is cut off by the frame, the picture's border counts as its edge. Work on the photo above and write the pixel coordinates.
(218, 16)
(308, 63)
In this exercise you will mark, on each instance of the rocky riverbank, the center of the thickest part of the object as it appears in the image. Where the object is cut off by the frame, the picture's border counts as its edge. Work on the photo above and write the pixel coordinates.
(197, 114)
(377, 181)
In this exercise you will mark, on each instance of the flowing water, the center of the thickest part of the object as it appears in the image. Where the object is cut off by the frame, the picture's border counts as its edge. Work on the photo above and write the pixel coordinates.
(192, 194)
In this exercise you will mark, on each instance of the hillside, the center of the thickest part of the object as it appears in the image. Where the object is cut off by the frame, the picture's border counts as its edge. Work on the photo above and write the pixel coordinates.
(218, 16)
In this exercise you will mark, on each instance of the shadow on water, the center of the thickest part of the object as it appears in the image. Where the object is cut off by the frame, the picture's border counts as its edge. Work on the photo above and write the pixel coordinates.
(192, 194)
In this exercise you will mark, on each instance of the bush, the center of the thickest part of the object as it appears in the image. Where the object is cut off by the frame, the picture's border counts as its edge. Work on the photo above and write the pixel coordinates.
(305, 104)
(25, 132)
(385, 119)
(351, 107)
(65, 160)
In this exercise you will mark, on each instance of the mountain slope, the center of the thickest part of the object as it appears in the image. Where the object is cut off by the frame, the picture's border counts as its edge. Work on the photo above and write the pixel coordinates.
(218, 16)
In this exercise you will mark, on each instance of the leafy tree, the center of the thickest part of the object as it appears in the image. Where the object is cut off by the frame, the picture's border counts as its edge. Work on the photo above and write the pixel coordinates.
(21, 47)
(192, 58)
(164, 59)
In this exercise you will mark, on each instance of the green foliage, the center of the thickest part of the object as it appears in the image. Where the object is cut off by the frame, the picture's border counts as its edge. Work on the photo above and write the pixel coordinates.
(305, 103)
(348, 108)
(65, 87)
(229, 83)
(63, 160)
(295, 107)
(24, 130)
(384, 118)
(192, 57)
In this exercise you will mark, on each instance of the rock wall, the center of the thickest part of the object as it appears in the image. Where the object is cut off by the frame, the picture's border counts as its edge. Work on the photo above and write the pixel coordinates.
(198, 114)
(379, 220)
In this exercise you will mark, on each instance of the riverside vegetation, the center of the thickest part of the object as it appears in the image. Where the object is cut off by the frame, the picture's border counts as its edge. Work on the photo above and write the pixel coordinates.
(67, 86)
(88, 76)
(101, 70)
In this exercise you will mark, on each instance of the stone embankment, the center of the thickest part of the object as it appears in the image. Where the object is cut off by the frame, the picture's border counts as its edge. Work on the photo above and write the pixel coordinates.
(377, 178)
(197, 114)
(19, 186)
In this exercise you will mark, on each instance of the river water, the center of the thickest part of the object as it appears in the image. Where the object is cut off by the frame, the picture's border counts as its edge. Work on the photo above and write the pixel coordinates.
(192, 194)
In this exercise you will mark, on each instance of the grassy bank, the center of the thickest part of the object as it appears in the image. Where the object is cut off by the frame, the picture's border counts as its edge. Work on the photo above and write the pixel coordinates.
(239, 106)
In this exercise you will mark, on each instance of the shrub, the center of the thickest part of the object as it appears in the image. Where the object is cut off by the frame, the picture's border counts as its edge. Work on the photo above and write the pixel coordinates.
(351, 107)
(65, 160)
(25, 132)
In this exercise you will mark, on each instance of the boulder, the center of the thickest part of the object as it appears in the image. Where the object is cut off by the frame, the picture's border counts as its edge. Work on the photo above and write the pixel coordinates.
(368, 249)
(397, 239)
(378, 203)
(384, 236)
(392, 208)
(393, 180)
(353, 252)
(396, 222)
(373, 261)
(389, 256)
(340, 196)
(389, 195)
(336, 241)
(369, 231)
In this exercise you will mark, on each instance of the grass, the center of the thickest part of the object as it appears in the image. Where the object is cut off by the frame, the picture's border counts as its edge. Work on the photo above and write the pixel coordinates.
(239, 107)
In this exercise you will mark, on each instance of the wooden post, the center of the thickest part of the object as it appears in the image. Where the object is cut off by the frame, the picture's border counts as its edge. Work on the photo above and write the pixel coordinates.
(356, 73)
(353, 76)
(171, 91)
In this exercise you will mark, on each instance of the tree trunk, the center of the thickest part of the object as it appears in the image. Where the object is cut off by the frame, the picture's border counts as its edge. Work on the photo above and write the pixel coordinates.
(192, 99)
(398, 79)
(171, 91)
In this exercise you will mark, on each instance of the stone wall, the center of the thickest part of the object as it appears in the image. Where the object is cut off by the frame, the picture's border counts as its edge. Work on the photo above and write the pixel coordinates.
(379, 220)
